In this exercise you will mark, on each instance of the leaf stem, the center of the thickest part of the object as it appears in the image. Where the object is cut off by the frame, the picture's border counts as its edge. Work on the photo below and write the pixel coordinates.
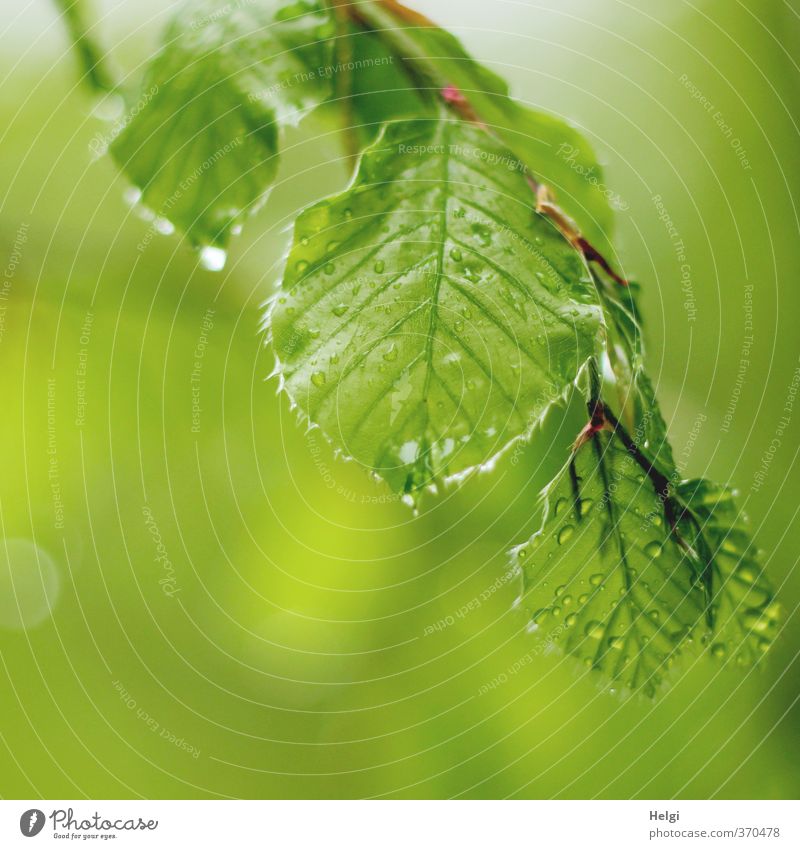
(93, 58)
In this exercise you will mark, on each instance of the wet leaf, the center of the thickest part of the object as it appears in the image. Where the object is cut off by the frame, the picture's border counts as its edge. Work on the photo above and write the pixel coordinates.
(428, 316)
(746, 614)
(610, 581)
(201, 141)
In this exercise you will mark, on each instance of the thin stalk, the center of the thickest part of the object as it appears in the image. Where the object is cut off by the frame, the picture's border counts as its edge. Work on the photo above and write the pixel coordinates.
(93, 58)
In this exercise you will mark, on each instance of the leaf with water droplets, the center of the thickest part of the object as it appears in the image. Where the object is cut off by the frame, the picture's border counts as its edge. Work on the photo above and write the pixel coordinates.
(202, 139)
(746, 614)
(421, 391)
(644, 591)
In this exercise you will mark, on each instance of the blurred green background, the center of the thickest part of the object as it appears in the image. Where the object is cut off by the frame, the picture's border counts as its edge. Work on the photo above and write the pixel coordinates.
(207, 603)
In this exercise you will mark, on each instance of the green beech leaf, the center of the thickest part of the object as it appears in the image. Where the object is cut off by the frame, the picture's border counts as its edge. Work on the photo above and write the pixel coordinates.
(604, 577)
(746, 614)
(428, 316)
(609, 580)
(553, 150)
(202, 140)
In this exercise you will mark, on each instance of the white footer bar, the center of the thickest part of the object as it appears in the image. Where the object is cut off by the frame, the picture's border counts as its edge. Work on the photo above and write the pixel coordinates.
(401, 824)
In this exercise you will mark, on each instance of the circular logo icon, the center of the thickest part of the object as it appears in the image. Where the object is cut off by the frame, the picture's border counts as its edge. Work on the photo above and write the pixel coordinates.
(31, 822)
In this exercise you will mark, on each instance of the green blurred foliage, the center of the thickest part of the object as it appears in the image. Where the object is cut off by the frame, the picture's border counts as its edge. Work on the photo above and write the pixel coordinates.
(297, 640)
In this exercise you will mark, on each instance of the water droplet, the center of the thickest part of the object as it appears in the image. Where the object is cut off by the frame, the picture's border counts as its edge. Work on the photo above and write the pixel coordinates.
(164, 226)
(339, 310)
(213, 258)
(332, 246)
(132, 195)
(455, 254)
(571, 619)
(329, 268)
(318, 378)
(564, 534)
(379, 266)
(594, 630)
(391, 354)
(596, 579)
(586, 506)
(301, 266)
(561, 505)
(747, 574)
(718, 650)
(653, 549)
